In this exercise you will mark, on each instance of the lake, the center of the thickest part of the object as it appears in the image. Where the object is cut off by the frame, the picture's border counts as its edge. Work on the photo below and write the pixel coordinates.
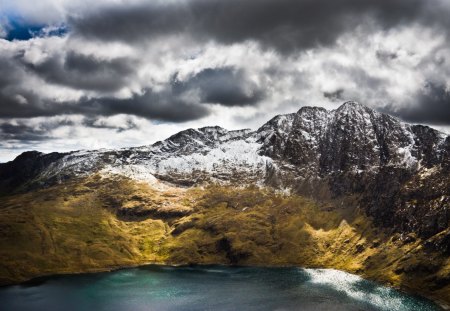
(208, 288)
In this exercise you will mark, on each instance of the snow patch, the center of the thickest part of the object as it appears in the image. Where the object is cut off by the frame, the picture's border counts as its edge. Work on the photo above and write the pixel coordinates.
(135, 172)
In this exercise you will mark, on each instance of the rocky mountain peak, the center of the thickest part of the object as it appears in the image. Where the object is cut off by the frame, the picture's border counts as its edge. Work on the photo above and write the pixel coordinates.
(352, 137)
(305, 110)
(213, 130)
(352, 106)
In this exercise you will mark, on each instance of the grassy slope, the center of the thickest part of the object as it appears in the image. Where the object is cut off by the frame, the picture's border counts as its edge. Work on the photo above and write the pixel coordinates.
(96, 224)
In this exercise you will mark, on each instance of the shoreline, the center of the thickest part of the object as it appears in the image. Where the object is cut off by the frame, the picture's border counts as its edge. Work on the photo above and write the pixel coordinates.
(36, 280)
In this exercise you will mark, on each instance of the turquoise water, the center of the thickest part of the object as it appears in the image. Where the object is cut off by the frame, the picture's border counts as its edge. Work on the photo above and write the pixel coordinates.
(208, 288)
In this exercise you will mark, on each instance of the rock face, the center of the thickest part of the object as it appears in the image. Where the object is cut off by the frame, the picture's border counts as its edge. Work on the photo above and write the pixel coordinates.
(25, 169)
(356, 138)
(398, 173)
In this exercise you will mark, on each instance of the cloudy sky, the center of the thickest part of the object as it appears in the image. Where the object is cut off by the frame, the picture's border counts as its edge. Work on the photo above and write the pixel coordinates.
(78, 74)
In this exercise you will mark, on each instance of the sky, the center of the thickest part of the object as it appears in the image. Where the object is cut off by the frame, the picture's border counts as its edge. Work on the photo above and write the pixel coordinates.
(78, 74)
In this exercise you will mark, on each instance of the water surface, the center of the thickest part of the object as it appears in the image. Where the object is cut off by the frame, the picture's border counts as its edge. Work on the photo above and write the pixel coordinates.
(209, 288)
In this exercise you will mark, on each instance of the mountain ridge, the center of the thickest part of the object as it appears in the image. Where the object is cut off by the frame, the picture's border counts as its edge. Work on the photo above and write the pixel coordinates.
(217, 131)
(323, 154)
(210, 133)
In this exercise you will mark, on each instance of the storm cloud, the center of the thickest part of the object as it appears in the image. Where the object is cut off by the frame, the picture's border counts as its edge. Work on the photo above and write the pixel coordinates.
(432, 106)
(99, 123)
(152, 105)
(287, 25)
(224, 86)
(182, 100)
(178, 101)
(84, 72)
(25, 132)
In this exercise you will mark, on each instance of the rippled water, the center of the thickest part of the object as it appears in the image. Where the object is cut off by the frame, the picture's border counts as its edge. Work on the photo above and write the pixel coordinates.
(209, 288)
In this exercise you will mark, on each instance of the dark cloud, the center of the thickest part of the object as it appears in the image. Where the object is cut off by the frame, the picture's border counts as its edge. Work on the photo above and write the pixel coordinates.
(84, 72)
(151, 105)
(179, 101)
(432, 106)
(335, 95)
(161, 105)
(9, 73)
(22, 131)
(386, 56)
(102, 124)
(287, 25)
(225, 86)
(16, 99)
(29, 133)
(23, 103)
(182, 100)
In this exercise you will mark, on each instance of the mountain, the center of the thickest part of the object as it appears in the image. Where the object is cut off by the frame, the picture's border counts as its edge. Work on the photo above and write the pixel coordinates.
(313, 142)
(361, 190)
(352, 150)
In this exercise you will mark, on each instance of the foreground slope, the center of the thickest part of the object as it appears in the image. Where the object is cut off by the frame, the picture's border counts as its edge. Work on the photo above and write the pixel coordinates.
(98, 223)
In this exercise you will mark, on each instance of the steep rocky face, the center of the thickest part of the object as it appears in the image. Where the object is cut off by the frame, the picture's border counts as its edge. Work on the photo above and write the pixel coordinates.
(24, 169)
(430, 148)
(273, 135)
(303, 142)
(398, 172)
(354, 138)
